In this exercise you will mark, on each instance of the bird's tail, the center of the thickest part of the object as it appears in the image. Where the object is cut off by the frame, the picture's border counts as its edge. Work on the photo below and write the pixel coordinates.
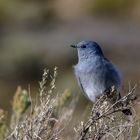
(127, 112)
(113, 96)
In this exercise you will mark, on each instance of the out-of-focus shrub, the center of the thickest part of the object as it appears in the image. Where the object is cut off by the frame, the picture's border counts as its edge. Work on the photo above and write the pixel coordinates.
(29, 66)
(3, 127)
(28, 13)
(43, 119)
(111, 7)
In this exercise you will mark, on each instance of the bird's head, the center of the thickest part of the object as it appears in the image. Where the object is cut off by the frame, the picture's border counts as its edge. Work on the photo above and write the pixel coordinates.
(88, 49)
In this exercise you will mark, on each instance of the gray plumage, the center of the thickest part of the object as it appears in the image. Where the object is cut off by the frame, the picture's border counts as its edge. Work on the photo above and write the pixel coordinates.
(94, 72)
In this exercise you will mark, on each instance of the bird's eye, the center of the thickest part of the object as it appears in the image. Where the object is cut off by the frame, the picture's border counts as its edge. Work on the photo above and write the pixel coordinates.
(83, 46)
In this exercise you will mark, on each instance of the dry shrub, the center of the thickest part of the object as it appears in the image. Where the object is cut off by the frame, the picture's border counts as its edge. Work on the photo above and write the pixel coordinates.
(42, 122)
(107, 121)
(45, 117)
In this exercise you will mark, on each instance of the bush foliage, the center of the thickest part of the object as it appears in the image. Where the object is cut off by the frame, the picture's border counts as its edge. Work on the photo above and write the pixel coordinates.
(46, 116)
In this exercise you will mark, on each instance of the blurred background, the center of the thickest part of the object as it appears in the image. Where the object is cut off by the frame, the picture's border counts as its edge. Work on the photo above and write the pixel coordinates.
(37, 34)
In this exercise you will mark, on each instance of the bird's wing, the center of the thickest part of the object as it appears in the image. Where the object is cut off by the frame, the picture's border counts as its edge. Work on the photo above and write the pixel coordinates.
(112, 73)
(112, 77)
(79, 81)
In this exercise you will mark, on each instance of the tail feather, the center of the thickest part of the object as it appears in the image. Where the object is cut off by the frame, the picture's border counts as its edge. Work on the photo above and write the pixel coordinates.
(113, 97)
(127, 112)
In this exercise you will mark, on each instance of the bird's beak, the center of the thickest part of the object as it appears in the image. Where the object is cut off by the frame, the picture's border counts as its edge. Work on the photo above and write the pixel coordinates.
(73, 46)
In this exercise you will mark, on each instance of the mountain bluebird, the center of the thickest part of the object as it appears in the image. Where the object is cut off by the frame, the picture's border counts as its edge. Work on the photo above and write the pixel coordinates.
(95, 73)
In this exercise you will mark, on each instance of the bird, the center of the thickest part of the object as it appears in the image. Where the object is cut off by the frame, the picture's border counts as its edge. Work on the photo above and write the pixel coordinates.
(95, 73)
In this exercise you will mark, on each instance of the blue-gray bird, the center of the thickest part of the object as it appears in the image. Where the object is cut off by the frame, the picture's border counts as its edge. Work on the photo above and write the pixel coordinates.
(95, 73)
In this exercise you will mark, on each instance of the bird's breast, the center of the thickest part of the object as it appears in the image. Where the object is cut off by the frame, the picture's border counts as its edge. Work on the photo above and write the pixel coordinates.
(91, 83)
